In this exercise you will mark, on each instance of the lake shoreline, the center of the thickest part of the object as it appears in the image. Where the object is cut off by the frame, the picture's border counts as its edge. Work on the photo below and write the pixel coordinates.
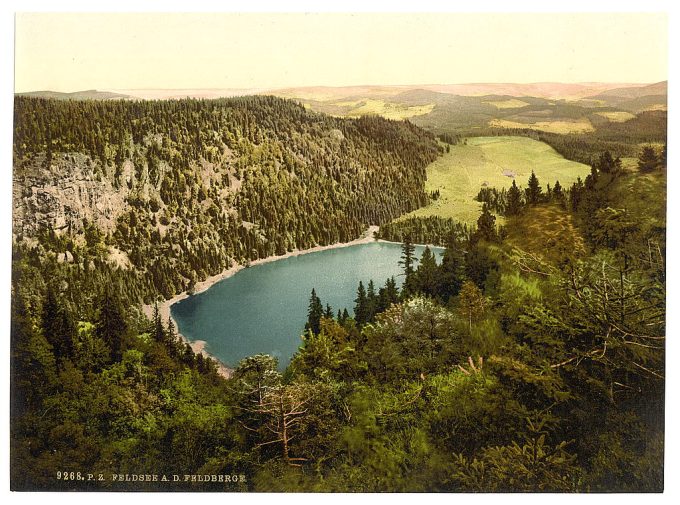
(383, 241)
(199, 346)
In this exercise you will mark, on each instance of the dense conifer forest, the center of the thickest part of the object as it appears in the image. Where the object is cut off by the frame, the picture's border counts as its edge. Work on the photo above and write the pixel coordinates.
(207, 183)
(529, 358)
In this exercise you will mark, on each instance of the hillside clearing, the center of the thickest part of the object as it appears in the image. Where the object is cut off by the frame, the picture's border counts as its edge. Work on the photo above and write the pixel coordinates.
(513, 103)
(578, 126)
(460, 173)
(388, 110)
(616, 116)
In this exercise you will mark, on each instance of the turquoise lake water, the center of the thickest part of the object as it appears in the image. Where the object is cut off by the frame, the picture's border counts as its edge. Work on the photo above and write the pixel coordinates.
(263, 309)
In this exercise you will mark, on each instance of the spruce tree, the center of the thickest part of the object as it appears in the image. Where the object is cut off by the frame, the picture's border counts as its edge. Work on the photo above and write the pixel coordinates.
(58, 326)
(558, 194)
(452, 270)
(606, 163)
(388, 295)
(157, 330)
(533, 191)
(407, 261)
(486, 226)
(314, 313)
(111, 326)
(361, 305)
(648, 160)
(371, 302)
(576, 194)
(514, 205)
(427, 273)
(407, 256)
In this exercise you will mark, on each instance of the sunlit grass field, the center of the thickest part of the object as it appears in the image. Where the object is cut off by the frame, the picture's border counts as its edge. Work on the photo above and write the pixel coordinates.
(616, 116)
(512, 103)
(577, 126)
(385, 109)
(459, 174)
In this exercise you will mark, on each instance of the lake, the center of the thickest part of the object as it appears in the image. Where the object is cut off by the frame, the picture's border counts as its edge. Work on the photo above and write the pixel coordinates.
(263, 309)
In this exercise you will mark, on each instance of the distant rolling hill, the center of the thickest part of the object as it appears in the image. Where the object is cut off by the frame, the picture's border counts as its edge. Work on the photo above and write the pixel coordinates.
(176, 94)
(636, 99)
(554, 90)
(91, 94)
(448, 108)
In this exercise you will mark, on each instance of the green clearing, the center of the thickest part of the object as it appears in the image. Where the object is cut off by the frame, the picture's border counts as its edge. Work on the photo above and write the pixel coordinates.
(460, 173)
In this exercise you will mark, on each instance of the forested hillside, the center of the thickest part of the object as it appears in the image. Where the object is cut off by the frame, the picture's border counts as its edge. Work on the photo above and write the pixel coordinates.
(530, 358)
(166, 193)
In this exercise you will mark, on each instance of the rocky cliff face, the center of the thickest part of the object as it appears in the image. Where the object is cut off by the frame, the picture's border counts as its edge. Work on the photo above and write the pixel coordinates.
(64, 193)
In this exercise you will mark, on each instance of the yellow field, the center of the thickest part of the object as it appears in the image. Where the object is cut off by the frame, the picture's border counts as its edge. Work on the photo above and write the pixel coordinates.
(355, 103)
(616, 117)
(579, 126)
(656, 107)
(386, 109)
(508, 104)
(460, 173)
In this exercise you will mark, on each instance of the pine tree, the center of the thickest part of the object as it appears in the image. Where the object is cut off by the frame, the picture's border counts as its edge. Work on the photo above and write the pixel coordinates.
(408, 261)
(371, 302)
(407, 256)
(328, 313)
(606, 163)
(486, 226)
(314, 313)
(514, 205)
(427, 273)
(576, 194)
(173, 340)
(533, 191)
(452, 270)
(361, 305)
(648, 160)
(558, 194)
(388, 295)
(157, 330)
(58, 326)
(111, 326)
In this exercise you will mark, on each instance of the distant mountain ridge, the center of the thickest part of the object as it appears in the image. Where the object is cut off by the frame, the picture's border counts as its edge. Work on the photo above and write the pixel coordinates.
(90, 94)
(658, 88)
(553, 90)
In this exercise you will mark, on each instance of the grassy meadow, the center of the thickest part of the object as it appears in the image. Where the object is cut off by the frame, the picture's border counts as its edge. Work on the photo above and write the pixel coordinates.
(616, 116)
(561, 126)
(460, 173)
(512, 103)
(388, 110)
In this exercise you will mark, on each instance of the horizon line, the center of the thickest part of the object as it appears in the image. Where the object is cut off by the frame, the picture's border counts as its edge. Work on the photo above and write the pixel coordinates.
(276, 88)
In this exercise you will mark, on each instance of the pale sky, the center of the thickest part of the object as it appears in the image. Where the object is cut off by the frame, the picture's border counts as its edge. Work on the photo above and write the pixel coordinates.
(72, 52)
